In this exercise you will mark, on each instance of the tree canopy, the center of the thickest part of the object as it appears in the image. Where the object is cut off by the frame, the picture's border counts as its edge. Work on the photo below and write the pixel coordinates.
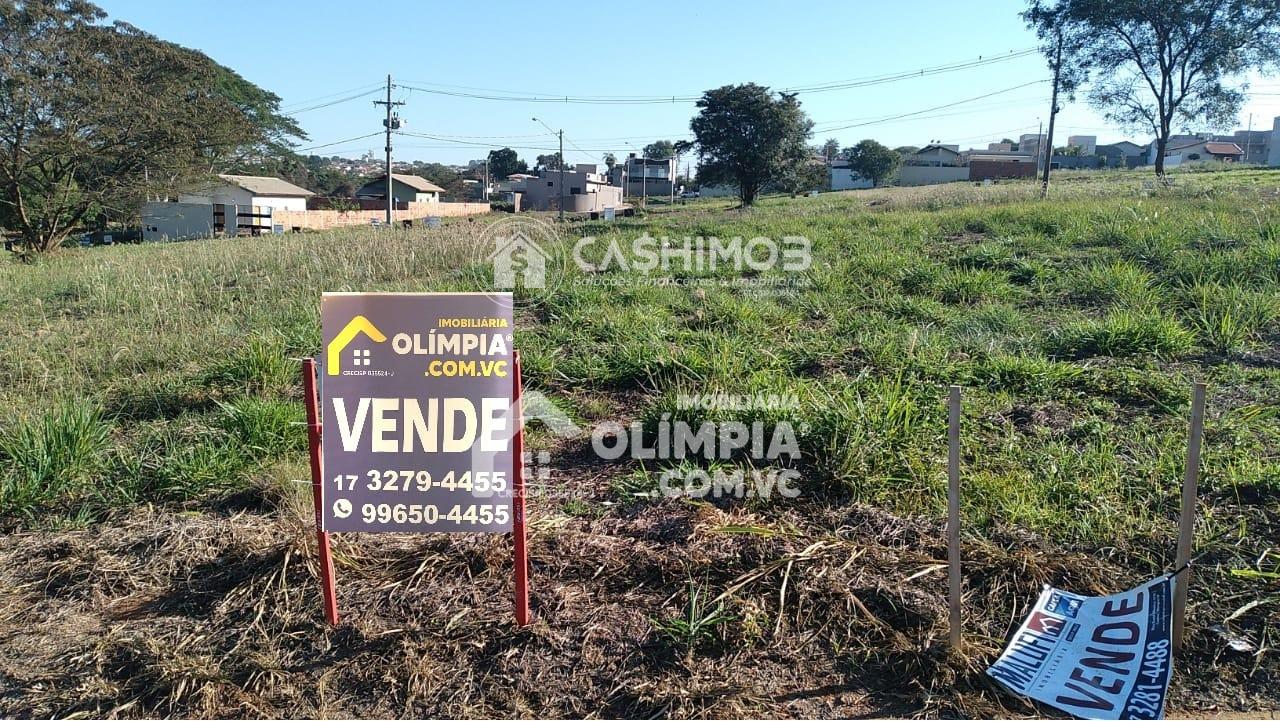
(505, 162)
(747, 136)
(550, 161)
(660, 150)
(1161, 65)
(872, 160)
(96, 117)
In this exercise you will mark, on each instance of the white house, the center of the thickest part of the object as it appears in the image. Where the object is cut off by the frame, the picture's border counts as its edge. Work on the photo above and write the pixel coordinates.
(845, 178)
(249, 190)
(226, 204)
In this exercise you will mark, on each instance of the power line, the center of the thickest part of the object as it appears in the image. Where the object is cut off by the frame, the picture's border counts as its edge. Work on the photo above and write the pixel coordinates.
(333, 102)
(900, 116)
(302, 103)
(337, 142)
(514, 96)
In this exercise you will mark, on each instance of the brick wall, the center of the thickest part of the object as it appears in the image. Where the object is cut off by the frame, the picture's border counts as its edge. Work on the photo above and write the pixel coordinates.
(982, 169)
(322, 219)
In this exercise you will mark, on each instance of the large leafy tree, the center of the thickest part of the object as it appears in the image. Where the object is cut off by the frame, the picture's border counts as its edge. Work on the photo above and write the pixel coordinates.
(550, 161)
(96, 117)
(505, 162)
(660, 150)
(748, 136)
(872, 160)
(1158, 65)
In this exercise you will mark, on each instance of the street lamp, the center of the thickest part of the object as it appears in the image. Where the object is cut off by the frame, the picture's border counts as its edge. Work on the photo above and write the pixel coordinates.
(561, 134)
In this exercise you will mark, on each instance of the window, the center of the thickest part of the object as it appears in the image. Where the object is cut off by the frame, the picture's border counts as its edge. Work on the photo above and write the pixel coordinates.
(575, 191)
(550, 183)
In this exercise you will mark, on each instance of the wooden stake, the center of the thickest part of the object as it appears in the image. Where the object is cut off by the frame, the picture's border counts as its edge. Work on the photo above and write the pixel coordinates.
(953, 512)
(1187, 523)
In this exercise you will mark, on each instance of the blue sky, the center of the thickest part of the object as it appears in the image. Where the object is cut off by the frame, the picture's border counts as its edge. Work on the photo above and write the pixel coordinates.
(311, 53)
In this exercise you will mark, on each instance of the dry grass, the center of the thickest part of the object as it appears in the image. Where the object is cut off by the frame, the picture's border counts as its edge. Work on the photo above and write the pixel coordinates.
(160, 560)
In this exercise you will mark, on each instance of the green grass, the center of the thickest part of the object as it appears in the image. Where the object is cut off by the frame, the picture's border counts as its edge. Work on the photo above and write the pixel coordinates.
(165, 373)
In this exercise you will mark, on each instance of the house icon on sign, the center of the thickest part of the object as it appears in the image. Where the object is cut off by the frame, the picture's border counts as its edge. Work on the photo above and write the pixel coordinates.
(517, 254)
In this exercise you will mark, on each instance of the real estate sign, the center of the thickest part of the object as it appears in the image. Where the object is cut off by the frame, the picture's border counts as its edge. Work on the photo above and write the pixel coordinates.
(416, 396)
(1106, 657)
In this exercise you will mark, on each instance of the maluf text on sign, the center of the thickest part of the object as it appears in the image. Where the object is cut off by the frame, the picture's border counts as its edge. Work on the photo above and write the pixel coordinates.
(416, 394)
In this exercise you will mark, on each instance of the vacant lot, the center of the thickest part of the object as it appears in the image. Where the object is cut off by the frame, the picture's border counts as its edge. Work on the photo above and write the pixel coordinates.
(150, 455)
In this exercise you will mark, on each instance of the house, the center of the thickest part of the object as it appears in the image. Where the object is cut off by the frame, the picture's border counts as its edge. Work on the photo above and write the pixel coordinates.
(842, 177)
(1032, 144)
(644, 176)
(231, 204)
(934, 156)
(1123, 154)
(1256, 144)
(586, 190)
(256, 191)
(1175, 141)
(1197, 150)
(1088, 144)
(404, 189)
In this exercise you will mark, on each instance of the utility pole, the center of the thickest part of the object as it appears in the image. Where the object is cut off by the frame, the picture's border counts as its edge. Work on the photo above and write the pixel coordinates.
(561, 175)
(1248, 138)
(1053, 113)
(559, 133)
(485, 194)
(392, 123)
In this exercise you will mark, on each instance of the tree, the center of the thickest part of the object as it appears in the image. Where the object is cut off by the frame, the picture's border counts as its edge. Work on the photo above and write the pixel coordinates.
(551, 161)
(808, 174)
(747, 135)
(872, 160)
(660, 150)
(1161, 65)
(95, 118)
(505, 162)
(610, 160)
(831, 149)
(905, 150)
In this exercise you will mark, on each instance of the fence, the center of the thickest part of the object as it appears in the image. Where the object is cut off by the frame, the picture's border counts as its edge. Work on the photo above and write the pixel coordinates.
(323, 219)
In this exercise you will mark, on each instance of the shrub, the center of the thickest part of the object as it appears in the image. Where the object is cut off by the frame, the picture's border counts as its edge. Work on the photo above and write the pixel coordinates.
(1121, 333)
(1227, 317)
(51, 456)
(1115, 283)
(266, 427)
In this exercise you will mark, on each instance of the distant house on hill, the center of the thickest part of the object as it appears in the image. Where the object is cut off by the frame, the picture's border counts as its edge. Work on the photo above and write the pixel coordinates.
(404, 189)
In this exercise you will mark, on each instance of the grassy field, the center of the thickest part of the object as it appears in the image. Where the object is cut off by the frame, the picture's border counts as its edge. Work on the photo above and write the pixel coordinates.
(164, 377)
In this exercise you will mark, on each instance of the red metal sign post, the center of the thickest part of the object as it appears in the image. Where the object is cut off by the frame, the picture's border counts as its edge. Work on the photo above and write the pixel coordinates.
(517, 501)
(317, 478)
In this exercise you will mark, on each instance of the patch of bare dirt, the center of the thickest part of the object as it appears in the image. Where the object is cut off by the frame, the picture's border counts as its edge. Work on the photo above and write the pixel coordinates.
(828, 611)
